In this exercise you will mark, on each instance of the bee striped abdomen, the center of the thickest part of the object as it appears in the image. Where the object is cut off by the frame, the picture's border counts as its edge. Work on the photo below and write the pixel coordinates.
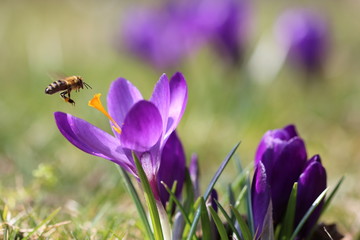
(56, 86)
(65, 86)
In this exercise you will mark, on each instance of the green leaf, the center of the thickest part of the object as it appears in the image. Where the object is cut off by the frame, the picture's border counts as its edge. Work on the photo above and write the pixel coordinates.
(210, 187)
(231, 195)
(232, 200)
(308, 213)
(205, 221)
(249, 205)
(195, 208)
(135, 197)
(176, 201)
(220, 226)
(240, 180)
(244, 228)
(327, 203)
(4, 214)
(149, 197)
(189, 190)
(228, 219)
(219, 171)
(238, 164)
(268, 227)
(288, 222)
(332, 194)
(170, 204)
(109, 233)
(241, 196)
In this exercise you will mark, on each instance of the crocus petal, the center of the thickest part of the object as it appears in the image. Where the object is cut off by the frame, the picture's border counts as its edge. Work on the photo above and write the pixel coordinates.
(312, 182)
(121, 97)
(284, 173)
(275, 139)
(178, 100)
(91, 139)
(147, 165)
(291, 131)
(172, 167)
(260, 197)
(161, 98)
(142, 127)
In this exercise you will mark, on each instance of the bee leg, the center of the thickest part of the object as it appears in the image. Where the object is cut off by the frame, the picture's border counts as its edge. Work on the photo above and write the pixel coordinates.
(63, 94)
(67, 98)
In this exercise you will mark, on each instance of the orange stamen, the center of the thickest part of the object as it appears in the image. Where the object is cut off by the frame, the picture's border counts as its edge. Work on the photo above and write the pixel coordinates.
(96, 103)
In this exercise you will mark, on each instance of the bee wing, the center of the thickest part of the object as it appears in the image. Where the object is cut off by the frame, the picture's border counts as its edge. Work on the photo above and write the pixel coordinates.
(56, 76)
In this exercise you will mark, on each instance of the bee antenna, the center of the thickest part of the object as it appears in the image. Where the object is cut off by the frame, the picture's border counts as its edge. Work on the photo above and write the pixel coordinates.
(87, 85)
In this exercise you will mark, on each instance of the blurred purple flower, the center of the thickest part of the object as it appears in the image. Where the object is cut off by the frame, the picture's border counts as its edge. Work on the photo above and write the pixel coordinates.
(280, 161)
(194, 172)
(227, 27)
(145, 125)
(172, 167)
(166, 35)
(306, 35)
(162, 37)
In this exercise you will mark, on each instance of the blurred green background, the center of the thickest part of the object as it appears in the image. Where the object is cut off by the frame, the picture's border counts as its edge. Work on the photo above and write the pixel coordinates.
(42, 40)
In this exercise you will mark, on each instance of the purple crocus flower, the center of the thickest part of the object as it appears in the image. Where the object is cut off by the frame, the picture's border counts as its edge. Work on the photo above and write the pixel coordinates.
(283, 154)
(311, 183)
(145, 125)
(305, 33)
(280, 161)
(172, 167)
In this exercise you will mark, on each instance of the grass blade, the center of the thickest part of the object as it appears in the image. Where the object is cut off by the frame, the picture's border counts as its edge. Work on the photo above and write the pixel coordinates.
(308, 213)
(220, 226)
(189, 190)
(219, 171)
(241, 196)
(249, 205)
(177, 203)
(332, 194)
(205, 221)
(192, 213)
(228, 219)
(244, 228)
(149, 197)
(45, 221)
(135, 197)
(210, 187)
(170, 205)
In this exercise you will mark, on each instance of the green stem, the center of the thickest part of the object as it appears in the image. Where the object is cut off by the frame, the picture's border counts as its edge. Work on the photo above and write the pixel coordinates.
(150, 199)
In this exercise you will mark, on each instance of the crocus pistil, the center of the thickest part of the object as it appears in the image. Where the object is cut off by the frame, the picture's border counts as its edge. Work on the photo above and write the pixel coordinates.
(96, 103)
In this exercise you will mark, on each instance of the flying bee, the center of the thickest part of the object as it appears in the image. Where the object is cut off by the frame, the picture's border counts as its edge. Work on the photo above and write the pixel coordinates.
(66, 85)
